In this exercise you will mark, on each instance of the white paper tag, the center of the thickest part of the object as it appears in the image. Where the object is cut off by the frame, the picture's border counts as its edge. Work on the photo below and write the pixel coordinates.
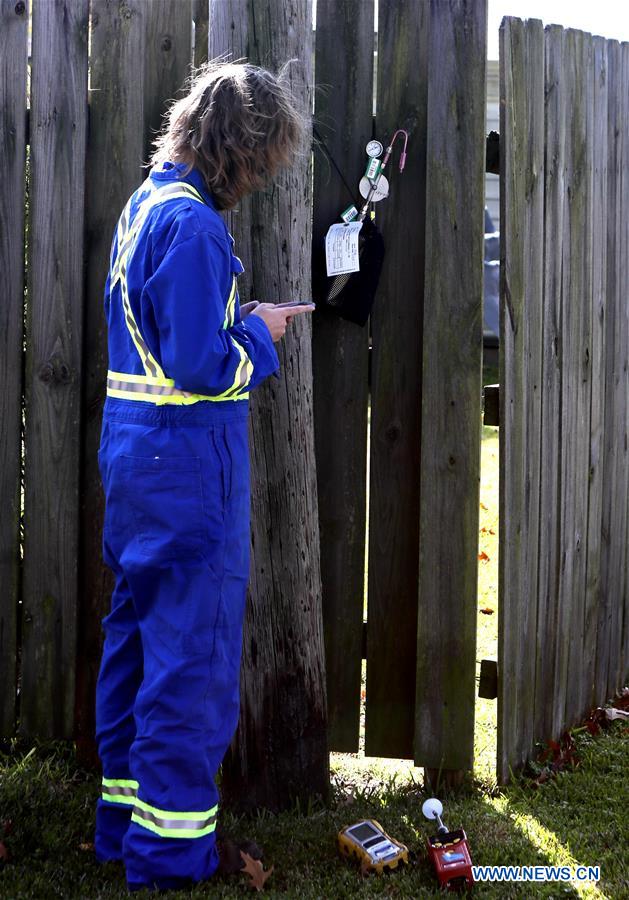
(341, 248)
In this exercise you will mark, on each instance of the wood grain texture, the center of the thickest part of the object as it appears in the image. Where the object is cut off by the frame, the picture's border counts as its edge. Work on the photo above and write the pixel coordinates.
(576, 369)
(522, 195)
(451, 386)
(58, 126)
(166, 61)
(200, 15)
(622, 670)
(578, 545)
(343, 116)
(114, 171)
(280, 752)
(396, 388)
(549, 516)
(597, 138)
(13, 62)
(610, 666)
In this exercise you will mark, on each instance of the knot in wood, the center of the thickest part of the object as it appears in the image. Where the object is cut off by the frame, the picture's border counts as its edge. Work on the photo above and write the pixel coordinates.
(55, 370)
(20, 8)
(393, 432)
(451, 461)
(166, 44)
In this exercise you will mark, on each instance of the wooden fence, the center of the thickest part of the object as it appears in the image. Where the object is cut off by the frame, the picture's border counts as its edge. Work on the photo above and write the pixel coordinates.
(426, 336)
(564, 563)
(425, 371)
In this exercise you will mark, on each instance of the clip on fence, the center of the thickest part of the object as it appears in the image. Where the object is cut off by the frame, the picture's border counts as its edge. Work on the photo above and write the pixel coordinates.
(355, 247)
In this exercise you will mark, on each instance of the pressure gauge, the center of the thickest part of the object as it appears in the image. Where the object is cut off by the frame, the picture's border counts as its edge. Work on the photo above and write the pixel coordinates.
(374, 149)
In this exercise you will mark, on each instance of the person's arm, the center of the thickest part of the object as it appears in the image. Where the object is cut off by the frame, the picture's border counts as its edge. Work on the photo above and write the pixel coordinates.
(188, 293)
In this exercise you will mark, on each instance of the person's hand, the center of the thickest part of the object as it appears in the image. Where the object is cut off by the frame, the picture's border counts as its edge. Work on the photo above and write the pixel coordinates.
(247, 308)
(276, 316)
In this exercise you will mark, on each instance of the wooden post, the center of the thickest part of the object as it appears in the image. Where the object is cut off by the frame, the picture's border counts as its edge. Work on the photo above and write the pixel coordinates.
(280, 752)
(343, 113)
(14, 29)
(451, 387)
(521, 217)
(53, 366)
(396, 387)
(114, 171)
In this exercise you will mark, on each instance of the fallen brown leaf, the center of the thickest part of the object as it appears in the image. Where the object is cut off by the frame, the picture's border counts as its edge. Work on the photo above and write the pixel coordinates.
(255, 870)
(482, 506)
(483, 556)
(86, 846)
(4, 853)
(487, 611)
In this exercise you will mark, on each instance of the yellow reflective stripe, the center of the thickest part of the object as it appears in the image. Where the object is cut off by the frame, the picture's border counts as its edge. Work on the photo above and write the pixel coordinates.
(174, 824)
(139, 379)
(120, 782)
(151, 366)
(169, 401)
(172, 832)
(200, 816)
(126, 241)
(230, 309)
(119, 790)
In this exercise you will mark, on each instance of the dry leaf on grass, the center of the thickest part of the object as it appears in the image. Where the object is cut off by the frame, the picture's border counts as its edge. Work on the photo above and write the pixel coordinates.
(487, 611)
(86, 846)
(4, 853)
(483, 556)
(255, 870)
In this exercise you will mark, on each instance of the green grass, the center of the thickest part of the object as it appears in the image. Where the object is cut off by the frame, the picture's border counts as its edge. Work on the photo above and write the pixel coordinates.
(579, 817)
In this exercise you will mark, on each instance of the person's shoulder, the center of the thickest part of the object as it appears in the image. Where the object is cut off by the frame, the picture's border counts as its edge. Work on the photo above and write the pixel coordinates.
(185, 217)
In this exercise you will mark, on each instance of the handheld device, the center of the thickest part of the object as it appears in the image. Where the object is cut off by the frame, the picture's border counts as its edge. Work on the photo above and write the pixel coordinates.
(448, 851)
(368, 841)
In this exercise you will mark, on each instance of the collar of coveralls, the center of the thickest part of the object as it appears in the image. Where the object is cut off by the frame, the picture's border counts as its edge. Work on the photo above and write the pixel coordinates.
(169, 171)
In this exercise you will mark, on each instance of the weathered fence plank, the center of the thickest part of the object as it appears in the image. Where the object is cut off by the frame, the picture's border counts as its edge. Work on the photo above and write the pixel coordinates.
(597, 139)
(570, 564)
(116, 137)
(343, 115)
(200, 14)
(549, 541)
(622, 671)
(576, 373)
(396, 325)
(616, 528)
(280, 752)
(166, 61)
(451, 387)
(58, 123)
(14, 29)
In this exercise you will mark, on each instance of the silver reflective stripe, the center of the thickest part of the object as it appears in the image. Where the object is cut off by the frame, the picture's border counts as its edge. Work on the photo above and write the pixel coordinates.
(119, 791)
(174, 824)
(161, 390)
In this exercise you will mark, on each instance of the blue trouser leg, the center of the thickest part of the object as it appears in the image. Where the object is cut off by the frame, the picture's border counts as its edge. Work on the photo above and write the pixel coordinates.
(118, 682)
(180, 526)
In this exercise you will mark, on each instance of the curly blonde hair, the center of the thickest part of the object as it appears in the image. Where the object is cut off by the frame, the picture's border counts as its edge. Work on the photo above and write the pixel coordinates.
(239, 125)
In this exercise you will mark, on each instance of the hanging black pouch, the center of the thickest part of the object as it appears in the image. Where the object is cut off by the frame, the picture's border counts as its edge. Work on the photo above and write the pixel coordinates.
(351, 296)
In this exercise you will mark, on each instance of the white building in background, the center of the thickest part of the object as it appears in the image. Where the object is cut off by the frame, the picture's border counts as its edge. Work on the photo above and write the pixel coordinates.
(492, 123)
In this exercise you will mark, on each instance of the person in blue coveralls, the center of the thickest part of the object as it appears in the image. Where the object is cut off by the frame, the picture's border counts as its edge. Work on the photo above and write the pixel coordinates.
(183, 359)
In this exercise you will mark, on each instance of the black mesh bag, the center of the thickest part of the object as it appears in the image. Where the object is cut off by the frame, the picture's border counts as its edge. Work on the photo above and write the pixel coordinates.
(351, 296)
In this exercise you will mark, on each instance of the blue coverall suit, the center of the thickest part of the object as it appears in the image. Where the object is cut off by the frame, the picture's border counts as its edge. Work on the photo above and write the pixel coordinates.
(175, 470)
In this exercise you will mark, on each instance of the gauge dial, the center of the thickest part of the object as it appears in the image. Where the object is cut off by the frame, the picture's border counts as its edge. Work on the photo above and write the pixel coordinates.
(374, 149)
